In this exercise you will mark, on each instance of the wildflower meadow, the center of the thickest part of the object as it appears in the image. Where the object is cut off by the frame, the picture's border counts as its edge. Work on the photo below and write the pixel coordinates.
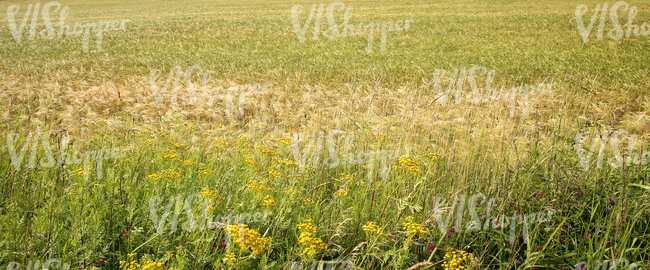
(414, 134)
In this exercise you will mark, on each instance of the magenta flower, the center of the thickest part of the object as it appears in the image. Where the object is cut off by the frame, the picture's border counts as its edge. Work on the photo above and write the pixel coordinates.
(126, 234)
(222, 245)
(430, 248)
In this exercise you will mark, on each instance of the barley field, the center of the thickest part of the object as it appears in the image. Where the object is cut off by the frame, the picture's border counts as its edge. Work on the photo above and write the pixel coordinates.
(375, 134)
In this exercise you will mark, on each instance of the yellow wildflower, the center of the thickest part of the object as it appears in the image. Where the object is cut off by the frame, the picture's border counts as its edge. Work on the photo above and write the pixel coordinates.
(247, 238)
(269, 201)
(220, 141)
(413, 229)
(458, 259)
(410, 163)
(312, 244)
(266, 151)
(274, 173)
(171, 154)
(372, 228)
(341, 192)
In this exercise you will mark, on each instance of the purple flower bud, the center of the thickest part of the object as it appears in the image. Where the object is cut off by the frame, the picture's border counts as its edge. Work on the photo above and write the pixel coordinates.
(430, 248)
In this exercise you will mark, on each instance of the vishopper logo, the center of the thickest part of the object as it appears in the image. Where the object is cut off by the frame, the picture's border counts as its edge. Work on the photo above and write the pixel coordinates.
(615, 33)
(346, 29)
(332, 142)
(622, 264)
(614, 138)
(457, 81)
(49, 31)
(48, 264)
(49, 160)
(327, 265)
(204, 220)
(193, 93)
(497, 222)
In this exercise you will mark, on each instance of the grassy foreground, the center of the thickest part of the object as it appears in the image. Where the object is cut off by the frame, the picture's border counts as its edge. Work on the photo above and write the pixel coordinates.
(345, 155)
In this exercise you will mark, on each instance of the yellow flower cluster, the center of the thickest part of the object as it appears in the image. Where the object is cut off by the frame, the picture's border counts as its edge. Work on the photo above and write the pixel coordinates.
(275, 173)
(176, 145)
(150, 141)
(372, 228)
(411, 163)
(230, 258)
(155, 176)
(346, 176)
(413, 229)
(290, 192)
(250, 161)
(142, 264)
(170, 173)
(341, 192)
(171, 154)
(269, 201)
(246, 238)
(432, 155)
(205, 171)
(284, 162)
(266, 151)
(212, 195)
(80, 172)
(187, 163)
(312, 244)
(241, 142)
(259, 186)
(458, 259)
(308, 201)
(286, 141)
(220, 141)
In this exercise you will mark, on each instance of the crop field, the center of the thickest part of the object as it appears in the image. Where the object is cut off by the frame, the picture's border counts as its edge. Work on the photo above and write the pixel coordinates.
(377, 134)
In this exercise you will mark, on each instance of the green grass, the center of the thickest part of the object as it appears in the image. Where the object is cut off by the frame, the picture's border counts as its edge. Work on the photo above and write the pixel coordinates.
(382, 99)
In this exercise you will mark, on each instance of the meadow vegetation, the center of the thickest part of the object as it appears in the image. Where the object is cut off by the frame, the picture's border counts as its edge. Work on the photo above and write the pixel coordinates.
(242, 159)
